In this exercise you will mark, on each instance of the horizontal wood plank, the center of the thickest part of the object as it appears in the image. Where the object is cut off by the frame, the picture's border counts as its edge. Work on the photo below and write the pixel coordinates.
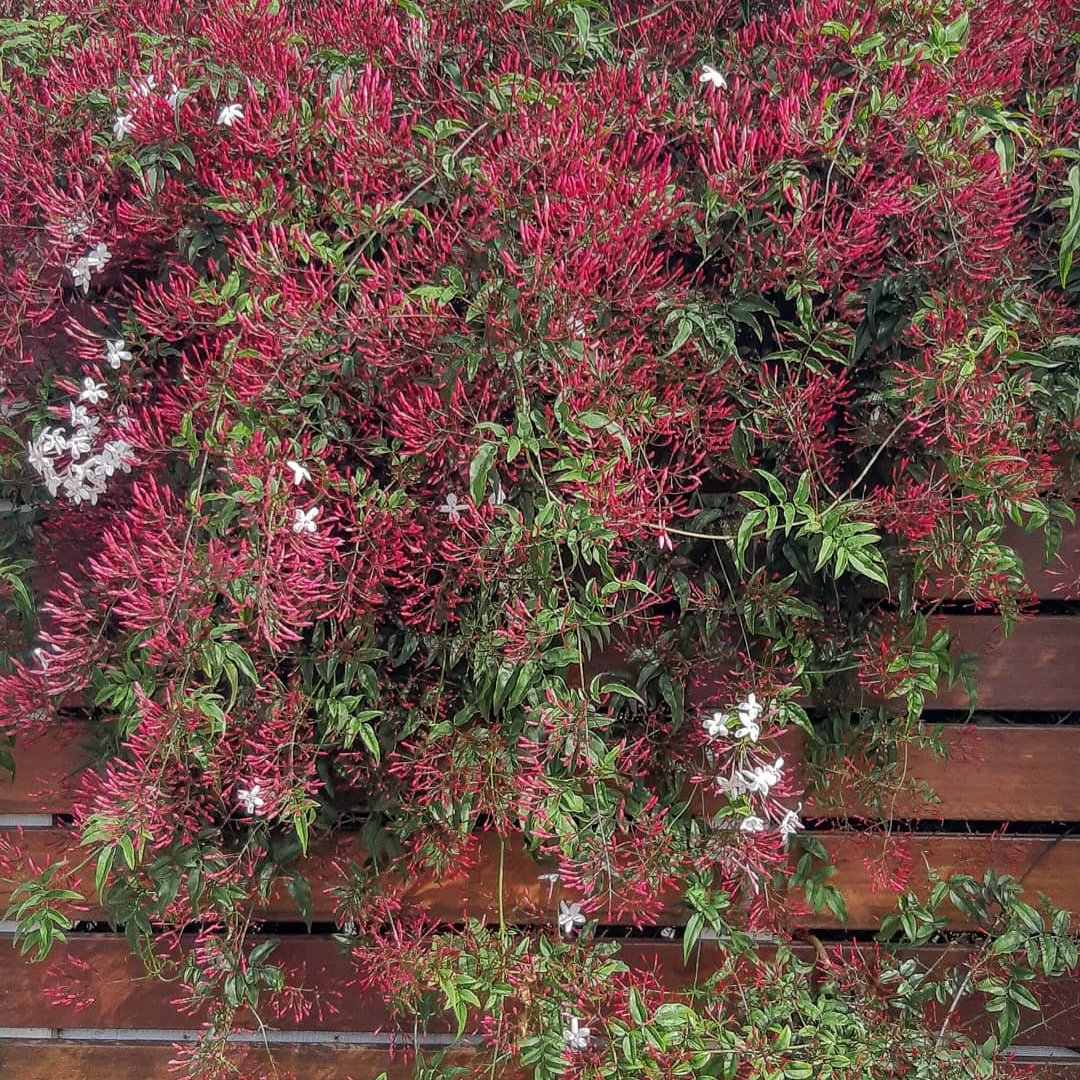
(1056, 579)
(69, 1060)
(117, 996)
(469, 890)
(46, 772)
(1035, 669)
(990, 773)
(866, 862)
(63, 1060)
(864, 866)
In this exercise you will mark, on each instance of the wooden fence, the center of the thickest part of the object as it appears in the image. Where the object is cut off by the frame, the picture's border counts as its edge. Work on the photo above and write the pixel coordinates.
(1016, 766)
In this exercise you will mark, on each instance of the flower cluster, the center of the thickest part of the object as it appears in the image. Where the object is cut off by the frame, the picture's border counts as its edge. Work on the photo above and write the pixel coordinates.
(746, 776)
(75, 461)
(501, 384)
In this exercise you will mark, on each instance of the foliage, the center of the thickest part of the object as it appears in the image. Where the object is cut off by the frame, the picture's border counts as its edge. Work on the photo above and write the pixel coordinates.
(404, 403)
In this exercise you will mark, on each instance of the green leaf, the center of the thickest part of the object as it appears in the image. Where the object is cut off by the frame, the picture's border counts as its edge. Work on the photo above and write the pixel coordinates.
(686, 328)
(593, 420)
(583, 24)
(621, 691)
(774, 485)
(370, 740)
(745, 535)
(479, 468)
(1008, 942)
(1071, 235)
(869, 567)
(300, 891)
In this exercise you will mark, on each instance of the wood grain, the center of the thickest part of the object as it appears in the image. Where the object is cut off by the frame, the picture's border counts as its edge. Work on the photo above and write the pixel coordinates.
(469, 889)
(118, 997)
(46, 772)
(991, 773)
(1036, 669)
(1058, 579)
(60, 1060)
(863, 861)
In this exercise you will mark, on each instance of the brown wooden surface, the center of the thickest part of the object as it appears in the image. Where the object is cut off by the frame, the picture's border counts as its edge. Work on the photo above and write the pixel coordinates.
(471, 888)
(997, 773)
(59, 1060)
(1037, 668)
(1042, 865)
(1058, 579)
(1049, 865)
(992, 773)
(46, 772)
(35, 1060)
(117, 995)
(40, 1060)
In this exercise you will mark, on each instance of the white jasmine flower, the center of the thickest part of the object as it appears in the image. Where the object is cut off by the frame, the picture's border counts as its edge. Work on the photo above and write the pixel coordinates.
(452, 508)
(51, 441)
(121, 452)
(575, 1036)
(753, 824)
(122, 125)
(710, 75)
(748, 712)
(173, 96)
(116, 352)
(115, 454)
(764, 777)
(81, 442)
(732, 786)
(304, 520)
(250, 799)
(229, 114)
(570, 916)
(299, 474)
(98, 256)
(93, 392)
(13, 408)
(789, 824)
(36, 456)
(93, 261)
(143, 87)
(715, 725)
(79, 484)
(80, 418)
(76, 227)
(80, 273)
